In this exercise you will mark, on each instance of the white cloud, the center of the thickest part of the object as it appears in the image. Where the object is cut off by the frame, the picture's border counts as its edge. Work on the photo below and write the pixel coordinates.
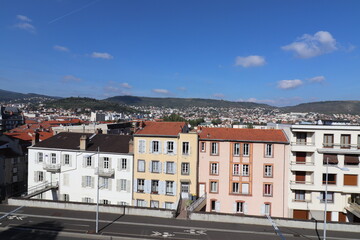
(71, 78)
(23, 18)
(101, 55)
(250, 61)
(276, 101)
(26, 26)
(125, 85)
(183, 89)
(317, 79)
(308, 46)
(61, 48)
(218, 95)
(162, 91)
(289, 84)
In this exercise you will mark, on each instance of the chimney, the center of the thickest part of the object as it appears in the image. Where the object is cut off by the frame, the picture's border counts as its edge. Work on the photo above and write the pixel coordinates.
(36, 138)
(99, 131)
(131, 146)
(83, 142)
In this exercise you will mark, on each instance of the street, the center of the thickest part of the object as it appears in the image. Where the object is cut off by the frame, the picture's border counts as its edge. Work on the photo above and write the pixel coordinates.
(42, 223)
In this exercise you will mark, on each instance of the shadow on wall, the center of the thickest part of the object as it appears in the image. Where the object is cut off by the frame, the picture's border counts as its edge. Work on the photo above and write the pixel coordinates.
(40, 231)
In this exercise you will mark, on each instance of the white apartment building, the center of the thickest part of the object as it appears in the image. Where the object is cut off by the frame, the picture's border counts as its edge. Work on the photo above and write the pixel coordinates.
(316, 149)
(69, 166)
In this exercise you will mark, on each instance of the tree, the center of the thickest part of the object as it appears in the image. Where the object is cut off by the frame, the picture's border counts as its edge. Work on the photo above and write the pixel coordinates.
(173, 118)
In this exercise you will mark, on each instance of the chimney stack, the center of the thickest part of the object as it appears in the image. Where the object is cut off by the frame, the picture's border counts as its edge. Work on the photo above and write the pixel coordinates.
(131, 146)
(83, 142)
(98, 131)
(36, 138)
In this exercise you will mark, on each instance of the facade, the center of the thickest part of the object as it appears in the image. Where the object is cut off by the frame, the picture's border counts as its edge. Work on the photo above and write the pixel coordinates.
(165, 164)
(13, 168)
(10, 117)
(244, 171)
(315, 150)
(74, 164)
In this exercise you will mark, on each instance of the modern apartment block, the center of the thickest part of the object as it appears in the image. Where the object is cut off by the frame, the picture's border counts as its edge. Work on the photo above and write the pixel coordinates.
(316, 149)
(165, 164)
(70, 166)
(244, 171)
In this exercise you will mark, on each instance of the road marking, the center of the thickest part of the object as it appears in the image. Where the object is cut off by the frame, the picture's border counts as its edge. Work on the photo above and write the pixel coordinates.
(164, 234)
(9, 213)
(176, 227)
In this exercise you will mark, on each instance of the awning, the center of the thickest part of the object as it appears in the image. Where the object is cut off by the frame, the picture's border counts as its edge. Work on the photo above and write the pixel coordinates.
(331, 158)
(351, 159)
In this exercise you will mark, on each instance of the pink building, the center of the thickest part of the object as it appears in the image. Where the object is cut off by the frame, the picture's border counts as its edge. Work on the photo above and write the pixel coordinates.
(244, 171)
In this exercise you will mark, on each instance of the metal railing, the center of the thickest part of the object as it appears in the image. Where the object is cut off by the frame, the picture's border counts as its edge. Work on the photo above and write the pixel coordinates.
(105, 172)
(197, 203)
(302, 144)
(302, 182)
(302, 163)
(341, 146)
(52, 166)
(41, 187)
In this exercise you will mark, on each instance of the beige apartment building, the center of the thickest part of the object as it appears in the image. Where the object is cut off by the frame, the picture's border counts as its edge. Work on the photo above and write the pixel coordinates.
(165, 164)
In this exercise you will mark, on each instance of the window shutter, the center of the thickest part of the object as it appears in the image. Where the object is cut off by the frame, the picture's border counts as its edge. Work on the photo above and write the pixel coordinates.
(162, 186)
(84, 162)
(234, 207)
(83, 184)
(118, 182)
(83, 199)
(110, 163)
(262, 209)
(135, 185)
(147, 187)
(165, 167)
(189, 148)
(92, 182)
(160, 143)
(119, 164)
(128, 186)
(174, 189)
(165, 147)
(175, 148)
(128, 162)
(36, 176)
(163, 205)
(66, 179)
(100, 162)
(151, 147)
(245, 208)
(145, 204)
(217, 206)
(70, 160)
(160, 167)
(150, 167)
(109, 184)
(174, 167)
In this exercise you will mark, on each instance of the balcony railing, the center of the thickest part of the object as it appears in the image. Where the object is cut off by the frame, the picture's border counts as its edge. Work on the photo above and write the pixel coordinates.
(341, 146)
(302, 163)
(302, 144)
(51, 167)
(302, 182)
(105, 172)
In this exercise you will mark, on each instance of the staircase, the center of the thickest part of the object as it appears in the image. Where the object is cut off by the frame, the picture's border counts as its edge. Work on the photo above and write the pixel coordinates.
(40, 188)
(354, 208)
(198, 204)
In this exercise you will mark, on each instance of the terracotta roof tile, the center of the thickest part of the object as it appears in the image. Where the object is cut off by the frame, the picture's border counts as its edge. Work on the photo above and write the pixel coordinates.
(242, 134)
(161, 128)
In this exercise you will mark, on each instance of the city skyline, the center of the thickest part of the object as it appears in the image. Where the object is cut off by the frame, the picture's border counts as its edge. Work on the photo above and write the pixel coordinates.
(279, 52)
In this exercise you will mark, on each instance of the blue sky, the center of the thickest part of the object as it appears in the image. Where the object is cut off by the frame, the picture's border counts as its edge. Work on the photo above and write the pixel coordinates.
(275, 52)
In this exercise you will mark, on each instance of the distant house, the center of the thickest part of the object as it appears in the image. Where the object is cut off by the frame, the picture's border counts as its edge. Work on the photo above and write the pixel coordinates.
(70, 166)
(10, 117)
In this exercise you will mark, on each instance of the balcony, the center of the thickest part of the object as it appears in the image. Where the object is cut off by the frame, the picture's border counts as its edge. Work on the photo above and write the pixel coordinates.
(340, 148)
(301, 185)
(52, 167)
(302, 166)
(105, 172)
(303, 146)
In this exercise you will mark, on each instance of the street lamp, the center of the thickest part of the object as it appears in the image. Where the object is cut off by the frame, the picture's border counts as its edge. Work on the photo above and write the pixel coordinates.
(326, 186)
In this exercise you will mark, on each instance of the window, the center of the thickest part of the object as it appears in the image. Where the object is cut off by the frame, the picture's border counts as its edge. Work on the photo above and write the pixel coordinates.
(236, 169)
(331, 178)
(240, 207)
(170, 168)
(329, 197)
(123, 164)
(40, 157)
(202, 146)
(122, 184)
(39, 176)
(235, 187)
(87, 200)
(268, 150)
(141, 165)
(185, 187)
(185, 168)
(106, 162)
(301, 138)
(245, 170)
(214, 186)
(236, 149)
(245, 188)
(169, 205)
(105, 202)
(170, 147)
(351, 159)
(345, 141)
(267, 207)
(185, 148)
(155, 146)
(140, 203)
(142, 145)
(155, 166)
(140, 185)
(88, 162)
(350, 180)
(88, 182)
(328, 140)
(214, 168)
(214, 148)
(53, 158)
(268, 171)
(66, 197)
(299, 195)
(66, 159)
(267, 189)
(154, 204)
(154, 186)
(246, 149)
(169, 188)
(105, 183)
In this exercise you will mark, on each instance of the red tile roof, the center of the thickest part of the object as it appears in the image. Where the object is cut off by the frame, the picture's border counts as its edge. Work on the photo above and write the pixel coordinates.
(243, 134)
(161, 128)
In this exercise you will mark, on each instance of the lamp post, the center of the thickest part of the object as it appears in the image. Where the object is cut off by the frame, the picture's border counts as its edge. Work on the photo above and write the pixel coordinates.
(97, 194)
(326, 187)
